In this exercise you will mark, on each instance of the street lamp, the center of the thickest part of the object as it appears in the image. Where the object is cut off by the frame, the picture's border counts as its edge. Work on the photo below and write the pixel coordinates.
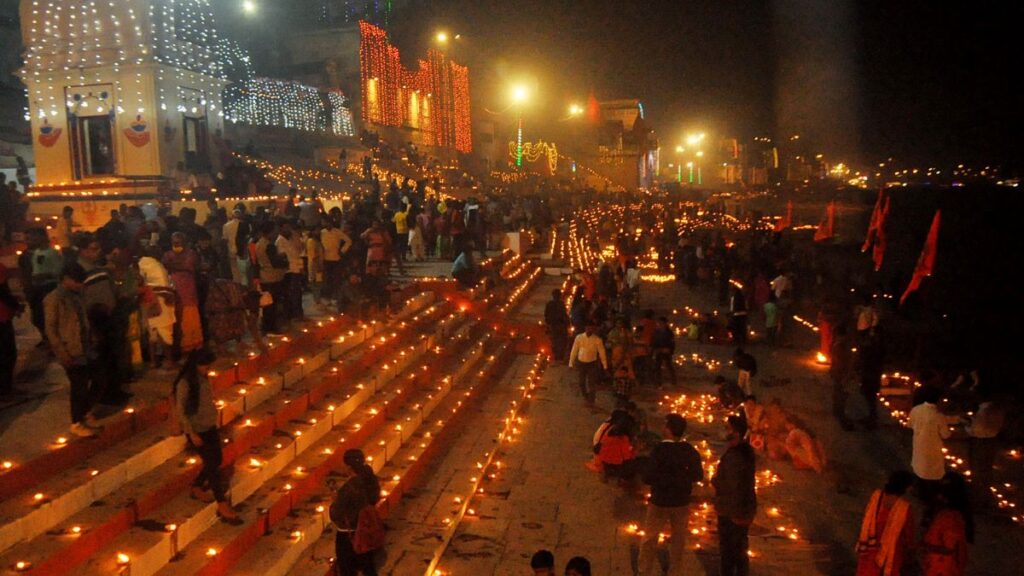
(694, 139)
(441, 37)
(575, 110)
(679, 165)
(520, 94)
(249, 6)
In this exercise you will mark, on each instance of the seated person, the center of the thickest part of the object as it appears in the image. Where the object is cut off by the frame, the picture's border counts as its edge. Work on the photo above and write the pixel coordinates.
(616, 453)
(729, 393)
(754, 413)
(804, 450)
(463, 269)
(776, 429)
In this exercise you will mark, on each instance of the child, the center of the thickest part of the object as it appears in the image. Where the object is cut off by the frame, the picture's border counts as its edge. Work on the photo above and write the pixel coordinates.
(624, 381)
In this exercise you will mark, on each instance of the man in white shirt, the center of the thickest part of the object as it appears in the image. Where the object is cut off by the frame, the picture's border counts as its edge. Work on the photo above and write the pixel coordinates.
(930, 429)
(291, 245)
(230, 234)
(588, 357)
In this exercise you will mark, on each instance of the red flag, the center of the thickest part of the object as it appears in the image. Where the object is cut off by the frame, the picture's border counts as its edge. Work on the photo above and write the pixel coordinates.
(925, 262)
(879, 251)
(787, 220)
(827, 227)
(876, 213)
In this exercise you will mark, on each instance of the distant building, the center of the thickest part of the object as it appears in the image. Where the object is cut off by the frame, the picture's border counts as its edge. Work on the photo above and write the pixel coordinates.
(627, 151)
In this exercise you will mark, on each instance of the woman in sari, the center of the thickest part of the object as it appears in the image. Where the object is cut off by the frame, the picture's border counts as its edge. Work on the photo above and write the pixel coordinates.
(887, 531)
(944, 546)
(377, 244)
(182, 264)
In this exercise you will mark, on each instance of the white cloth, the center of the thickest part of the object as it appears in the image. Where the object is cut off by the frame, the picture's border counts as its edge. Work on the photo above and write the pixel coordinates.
(930, 429)
(230, 233)
(588, 349)
(781, 285)
(632, 277)
(292, 248)
(987, 421)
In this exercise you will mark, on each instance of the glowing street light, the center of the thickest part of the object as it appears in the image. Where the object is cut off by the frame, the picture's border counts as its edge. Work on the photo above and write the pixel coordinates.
(575, 110)
(249, 6)
(441, 37)
(694, 139)
(680, 149)
(520, 94)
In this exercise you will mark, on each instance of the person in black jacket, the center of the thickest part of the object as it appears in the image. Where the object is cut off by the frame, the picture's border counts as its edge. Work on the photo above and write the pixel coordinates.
(735, 500)
(673, 468)
(663, 346)
(358, 492)
(557, 322)
(747, 367)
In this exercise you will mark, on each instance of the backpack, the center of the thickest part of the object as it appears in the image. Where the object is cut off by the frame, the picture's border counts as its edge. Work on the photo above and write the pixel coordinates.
(369, 535)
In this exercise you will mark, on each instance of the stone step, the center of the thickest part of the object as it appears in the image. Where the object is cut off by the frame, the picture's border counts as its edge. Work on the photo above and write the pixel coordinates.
(65, 452)
(322, 463)
(27, 517)
(145, 493)
(148, 550)
(305, 544)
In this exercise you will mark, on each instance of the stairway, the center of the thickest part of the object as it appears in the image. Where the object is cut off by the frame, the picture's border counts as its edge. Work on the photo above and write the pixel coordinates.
(121, 504)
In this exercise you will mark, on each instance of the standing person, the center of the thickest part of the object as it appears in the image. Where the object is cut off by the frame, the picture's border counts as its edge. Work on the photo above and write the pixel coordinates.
(930, 430)
(197, 416)
(557, 321)
(315, 264)
(944, 545)
(887, 531)
(159, 304)
(290, 245)
(401, 244)
(673, 468)
(9, 308)
(377, 243)
(231, 231)
(746, 364)
(771, 319)
(841, 356)
(336, 244)
(182, 264)
(663, 344)
(983, 430)
(43, 270)
(67, 330)
(587, 351)
(360, 491)
(272, 268)
(735, 500)
(543, 563)
(64, 229)
(738, 317)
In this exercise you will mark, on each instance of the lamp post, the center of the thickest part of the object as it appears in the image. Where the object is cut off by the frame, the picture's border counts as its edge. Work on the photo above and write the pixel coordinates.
(679, 164)
(700, 179)
(520, 94)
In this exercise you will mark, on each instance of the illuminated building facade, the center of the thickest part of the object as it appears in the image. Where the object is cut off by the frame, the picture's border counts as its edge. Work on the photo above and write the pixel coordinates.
(119, 92)
(431, 102)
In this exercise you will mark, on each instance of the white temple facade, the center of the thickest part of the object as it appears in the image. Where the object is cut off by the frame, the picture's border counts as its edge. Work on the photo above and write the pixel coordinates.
(120, 92)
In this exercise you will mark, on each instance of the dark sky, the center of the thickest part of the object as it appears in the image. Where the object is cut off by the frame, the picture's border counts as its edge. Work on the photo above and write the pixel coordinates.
(858, 78)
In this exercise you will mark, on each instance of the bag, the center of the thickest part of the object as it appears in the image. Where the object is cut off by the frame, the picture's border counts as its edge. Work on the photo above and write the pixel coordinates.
(369, 534)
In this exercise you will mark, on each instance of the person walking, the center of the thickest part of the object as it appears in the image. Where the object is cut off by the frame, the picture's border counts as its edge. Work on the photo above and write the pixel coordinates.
(40, 274)
(289, 243)
(197, 416)
(735, 500)
(588, 357)
(359, 492)
(557, 322)
(67, 331)
(887, 531)
(673, 468)
(272, 269)
(841, 357)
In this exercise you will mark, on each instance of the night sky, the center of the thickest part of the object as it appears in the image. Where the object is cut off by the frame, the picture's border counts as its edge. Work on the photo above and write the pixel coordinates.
(863, 79)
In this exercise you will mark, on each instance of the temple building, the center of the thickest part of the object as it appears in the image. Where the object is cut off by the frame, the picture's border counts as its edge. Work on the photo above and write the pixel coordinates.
(119, 93)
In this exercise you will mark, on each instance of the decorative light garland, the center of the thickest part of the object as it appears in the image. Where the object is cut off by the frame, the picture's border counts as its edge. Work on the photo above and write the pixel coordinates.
(288, 104)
